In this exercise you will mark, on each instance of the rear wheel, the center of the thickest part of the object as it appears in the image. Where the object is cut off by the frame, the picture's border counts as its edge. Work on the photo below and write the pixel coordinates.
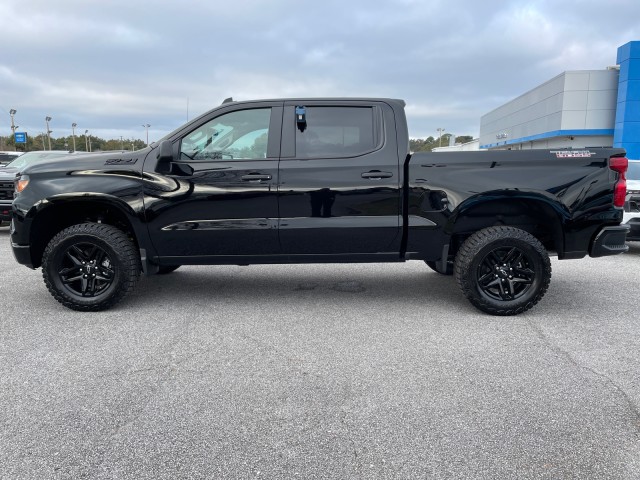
(90, 266)
(503, 270)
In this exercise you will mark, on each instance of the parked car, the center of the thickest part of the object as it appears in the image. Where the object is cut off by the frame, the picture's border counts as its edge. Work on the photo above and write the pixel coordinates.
(632, 204)
(8, 175)
(6, 157)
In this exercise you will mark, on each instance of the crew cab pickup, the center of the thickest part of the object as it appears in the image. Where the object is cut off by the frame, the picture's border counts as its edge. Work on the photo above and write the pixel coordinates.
(315, 181)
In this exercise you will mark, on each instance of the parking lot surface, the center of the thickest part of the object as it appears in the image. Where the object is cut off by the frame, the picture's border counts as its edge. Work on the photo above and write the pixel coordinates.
(322, 371)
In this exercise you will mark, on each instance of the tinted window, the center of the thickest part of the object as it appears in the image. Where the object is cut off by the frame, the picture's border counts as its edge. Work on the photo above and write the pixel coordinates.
(336, 132)
(240, 135)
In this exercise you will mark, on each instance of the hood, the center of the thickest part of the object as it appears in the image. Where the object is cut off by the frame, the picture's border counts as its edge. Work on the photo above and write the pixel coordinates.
(103, 161)
(8, 173)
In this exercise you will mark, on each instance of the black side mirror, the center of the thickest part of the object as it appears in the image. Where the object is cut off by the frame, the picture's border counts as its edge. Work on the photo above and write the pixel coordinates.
(165, 152)
(165, 156)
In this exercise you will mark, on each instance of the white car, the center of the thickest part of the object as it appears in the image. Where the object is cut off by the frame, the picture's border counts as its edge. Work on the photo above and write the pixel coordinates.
(632, 204)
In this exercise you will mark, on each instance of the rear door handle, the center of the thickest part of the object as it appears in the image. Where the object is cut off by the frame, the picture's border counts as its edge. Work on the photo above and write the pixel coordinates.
(375, 174)
(255, 176)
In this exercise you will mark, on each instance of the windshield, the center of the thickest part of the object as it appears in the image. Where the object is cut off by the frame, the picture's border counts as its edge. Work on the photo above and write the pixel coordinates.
(633, 173)
(29, 158)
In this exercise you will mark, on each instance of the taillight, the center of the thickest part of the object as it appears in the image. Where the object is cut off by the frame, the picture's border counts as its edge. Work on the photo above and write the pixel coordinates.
(620, 165)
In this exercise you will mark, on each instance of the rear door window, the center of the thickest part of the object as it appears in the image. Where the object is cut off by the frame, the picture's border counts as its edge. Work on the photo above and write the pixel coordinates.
(331, 132)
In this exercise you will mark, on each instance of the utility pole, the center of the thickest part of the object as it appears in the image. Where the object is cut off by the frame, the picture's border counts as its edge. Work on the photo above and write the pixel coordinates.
(73, 129)
(47, 120)
(86, 141)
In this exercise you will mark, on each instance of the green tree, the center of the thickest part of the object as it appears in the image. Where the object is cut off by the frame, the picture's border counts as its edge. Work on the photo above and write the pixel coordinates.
(97, 144)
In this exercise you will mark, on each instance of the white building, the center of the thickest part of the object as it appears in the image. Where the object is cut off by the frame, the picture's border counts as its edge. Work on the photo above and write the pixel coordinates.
(575, 109)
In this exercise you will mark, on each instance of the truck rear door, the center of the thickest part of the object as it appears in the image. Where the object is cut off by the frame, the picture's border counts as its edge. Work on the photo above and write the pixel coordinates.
(339, 179)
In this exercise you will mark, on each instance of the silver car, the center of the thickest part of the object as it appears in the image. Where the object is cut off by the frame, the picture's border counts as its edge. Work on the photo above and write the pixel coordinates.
(632, 204)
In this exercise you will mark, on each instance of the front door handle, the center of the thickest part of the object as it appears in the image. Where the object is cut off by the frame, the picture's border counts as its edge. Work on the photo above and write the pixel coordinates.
(376, 174)
(255, 176)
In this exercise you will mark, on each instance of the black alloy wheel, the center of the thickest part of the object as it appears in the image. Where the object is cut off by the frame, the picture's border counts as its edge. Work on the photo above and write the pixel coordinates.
(505, 273)
(86, 270)
(503, 270)
(90, 266)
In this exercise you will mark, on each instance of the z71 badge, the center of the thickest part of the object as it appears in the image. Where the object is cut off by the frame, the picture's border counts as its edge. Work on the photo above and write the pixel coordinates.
(121, 161)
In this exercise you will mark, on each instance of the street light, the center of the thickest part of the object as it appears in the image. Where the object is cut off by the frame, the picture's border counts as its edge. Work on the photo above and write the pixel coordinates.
(12, 112)
(47, 120)
(86, 141)
(440, 132)
(73, 129)
(146, 126)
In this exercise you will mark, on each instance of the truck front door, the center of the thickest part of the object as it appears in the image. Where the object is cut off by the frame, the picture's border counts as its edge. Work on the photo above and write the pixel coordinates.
(219, 197)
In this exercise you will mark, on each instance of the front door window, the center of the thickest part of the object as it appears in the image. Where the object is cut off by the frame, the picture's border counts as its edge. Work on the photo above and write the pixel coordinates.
(240, 135)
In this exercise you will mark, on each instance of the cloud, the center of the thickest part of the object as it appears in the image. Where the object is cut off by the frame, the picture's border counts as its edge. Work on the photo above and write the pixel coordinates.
(115, 65)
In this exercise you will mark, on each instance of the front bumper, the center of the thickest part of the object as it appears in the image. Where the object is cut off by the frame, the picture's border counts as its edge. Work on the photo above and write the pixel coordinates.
(5, 211)
(610, 241)
(22, 254)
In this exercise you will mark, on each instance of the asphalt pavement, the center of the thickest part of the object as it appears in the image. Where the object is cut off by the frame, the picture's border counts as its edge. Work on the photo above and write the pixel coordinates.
(372, 371)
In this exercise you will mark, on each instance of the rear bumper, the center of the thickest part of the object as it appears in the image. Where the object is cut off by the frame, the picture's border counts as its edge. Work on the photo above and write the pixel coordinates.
(610, 241)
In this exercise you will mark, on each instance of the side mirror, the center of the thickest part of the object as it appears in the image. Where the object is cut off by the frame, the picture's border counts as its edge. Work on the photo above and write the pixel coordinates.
(165, 152)
(165, 156)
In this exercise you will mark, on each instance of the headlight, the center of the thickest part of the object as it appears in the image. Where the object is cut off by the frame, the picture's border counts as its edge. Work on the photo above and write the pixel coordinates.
(21, 183)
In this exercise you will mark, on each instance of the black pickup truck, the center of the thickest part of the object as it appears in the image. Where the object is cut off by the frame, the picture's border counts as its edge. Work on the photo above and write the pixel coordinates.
(315, 181)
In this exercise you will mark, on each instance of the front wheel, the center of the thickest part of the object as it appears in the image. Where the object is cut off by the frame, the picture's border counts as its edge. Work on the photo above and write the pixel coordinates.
(90, 266)
(503, 270)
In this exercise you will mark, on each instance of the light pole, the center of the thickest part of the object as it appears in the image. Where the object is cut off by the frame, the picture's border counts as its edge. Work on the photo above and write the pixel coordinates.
(47, 120)
(12, 112)
(86, 141)
(73, 129)
(440, 132)
(146, 127)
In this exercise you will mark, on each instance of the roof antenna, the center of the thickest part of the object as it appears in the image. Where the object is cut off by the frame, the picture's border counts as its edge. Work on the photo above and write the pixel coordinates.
(227, 100)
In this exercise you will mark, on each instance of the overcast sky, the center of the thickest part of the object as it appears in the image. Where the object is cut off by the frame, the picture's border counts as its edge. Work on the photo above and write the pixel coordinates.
(111, 66)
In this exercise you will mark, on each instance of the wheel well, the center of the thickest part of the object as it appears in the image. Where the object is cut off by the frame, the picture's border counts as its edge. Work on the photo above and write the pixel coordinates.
(58, 217)
(534, 216)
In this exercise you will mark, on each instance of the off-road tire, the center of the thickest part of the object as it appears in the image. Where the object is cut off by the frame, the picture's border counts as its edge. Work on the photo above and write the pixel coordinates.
(503, 270)
(90, 266)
